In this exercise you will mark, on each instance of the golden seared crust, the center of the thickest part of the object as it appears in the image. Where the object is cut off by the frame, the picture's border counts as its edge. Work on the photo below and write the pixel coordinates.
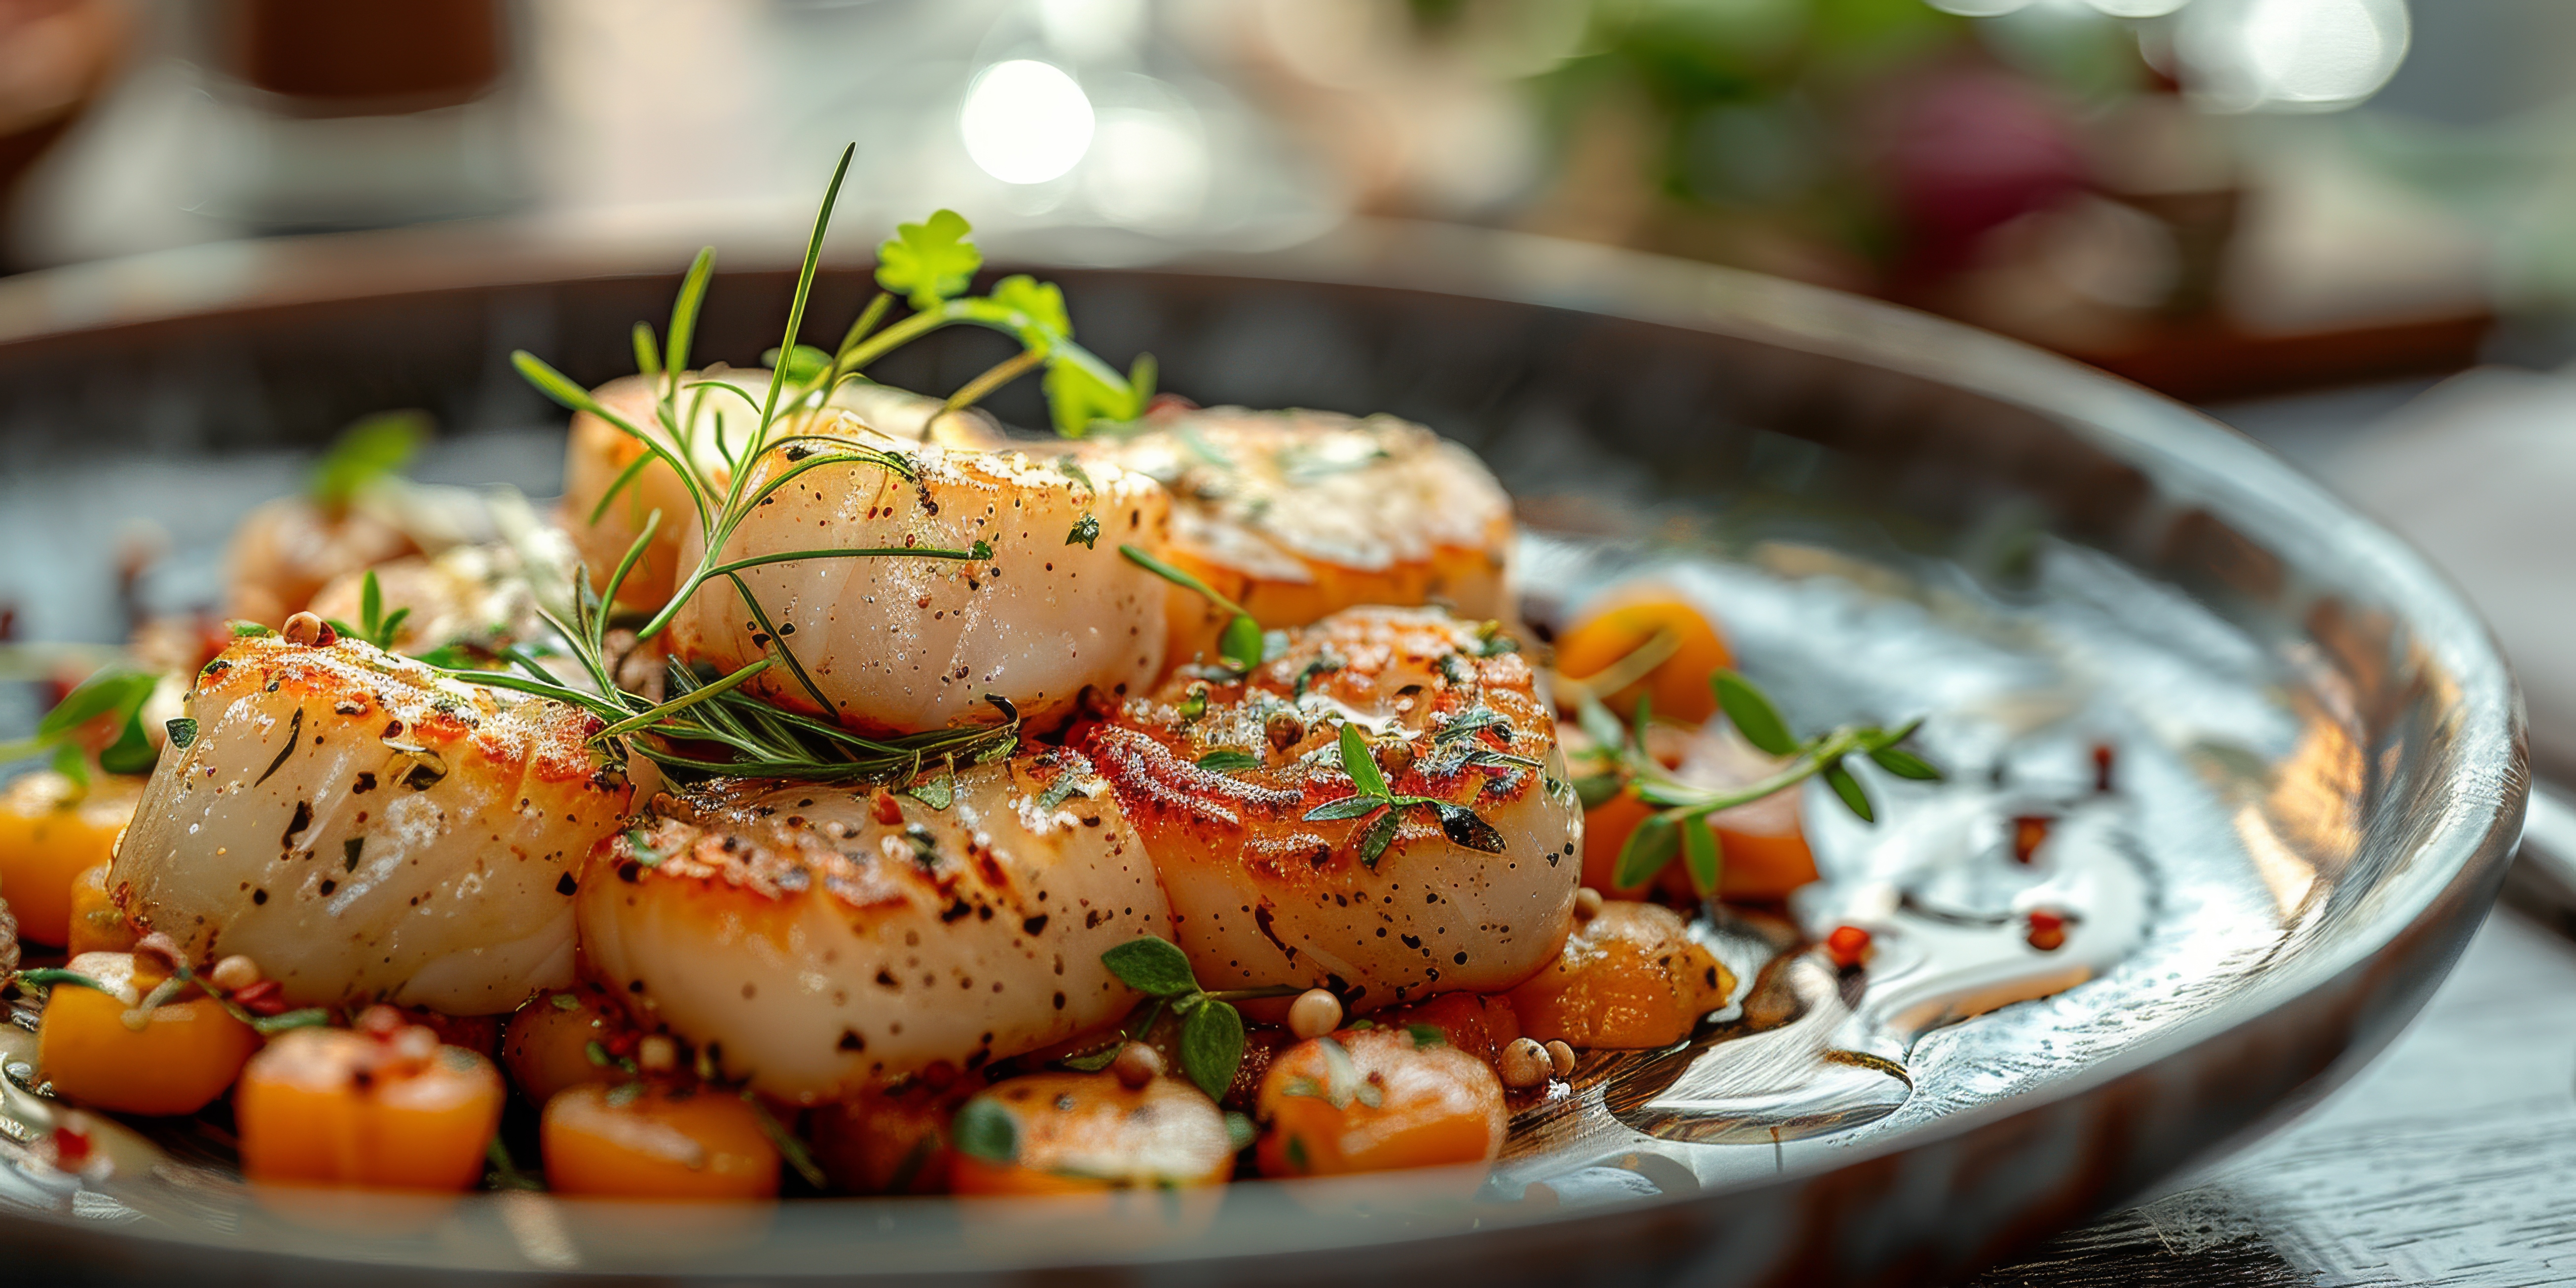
(366, 829)
(1298, 514)
(819, 939)
(902, 643)
(1262, 895)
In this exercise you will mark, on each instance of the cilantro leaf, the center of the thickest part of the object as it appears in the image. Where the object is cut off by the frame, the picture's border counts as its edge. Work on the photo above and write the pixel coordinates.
(929, 261)
(1043, 321)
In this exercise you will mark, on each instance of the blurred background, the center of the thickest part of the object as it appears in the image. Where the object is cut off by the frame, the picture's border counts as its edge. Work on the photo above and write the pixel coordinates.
(2348, 227)
(2222, 199)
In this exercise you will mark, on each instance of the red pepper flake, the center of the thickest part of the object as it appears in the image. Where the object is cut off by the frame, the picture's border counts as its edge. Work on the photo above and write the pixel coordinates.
(622, 1044)
(2047, 930)
(72, 1147)
(2101, 766)
(886, 809)
(266, 997)
(1848, 946)
(2029, 832)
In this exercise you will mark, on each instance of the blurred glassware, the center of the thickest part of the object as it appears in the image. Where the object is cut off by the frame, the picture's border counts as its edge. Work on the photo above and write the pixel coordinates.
(55, 58)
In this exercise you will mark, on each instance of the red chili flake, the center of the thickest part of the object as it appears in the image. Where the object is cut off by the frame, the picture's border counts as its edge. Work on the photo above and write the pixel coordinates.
(886, 808)
(2101, 766)
(1848, 946)
(2029, 832)
(621, 1044)
(2047, 930)
(266, 997)
(72, 1147)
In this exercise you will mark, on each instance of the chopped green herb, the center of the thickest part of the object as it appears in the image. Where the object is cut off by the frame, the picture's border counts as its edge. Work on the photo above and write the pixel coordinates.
(984, 1129)
(1086, 532)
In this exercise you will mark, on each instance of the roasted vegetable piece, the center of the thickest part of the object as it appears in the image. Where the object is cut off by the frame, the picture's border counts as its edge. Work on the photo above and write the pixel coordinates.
(1615, 628)
(642, 1140)
(51, 831)
(1480, 1024)
(176, 1063)
(548, 1044)
(97, 924)
(1070, 1133)
(1377, 1100)
(1629, 977)
(887, 1140)
(390, 1109)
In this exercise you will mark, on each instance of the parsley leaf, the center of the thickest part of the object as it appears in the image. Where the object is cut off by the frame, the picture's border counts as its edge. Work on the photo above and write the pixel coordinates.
(929, 261)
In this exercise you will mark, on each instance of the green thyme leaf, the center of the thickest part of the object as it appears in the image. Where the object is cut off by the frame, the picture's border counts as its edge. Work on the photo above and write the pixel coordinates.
(1357, 762)
(1378, 836)
(1094, 1062)
(1229, 761)
(1848, 788)
(937, 793)
(132, 752)
(1066, 785)
(1646, 851)
(984, 1129)
(1212, 1047)
(1700, 854)
(1151, 965)
(1346, 807)
(1465, 827)
(183, 733)
(1324, 664)
(1427, 1035)
(115, 689)
(1085, 533)
(1072, 469)
(248, 630)
(1239, 1131)
(929, 261)
(1752, 713)
(1905, 764)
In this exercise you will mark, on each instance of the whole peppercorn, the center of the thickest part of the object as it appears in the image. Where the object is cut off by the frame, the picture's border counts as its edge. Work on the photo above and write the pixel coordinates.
(1315, 1013)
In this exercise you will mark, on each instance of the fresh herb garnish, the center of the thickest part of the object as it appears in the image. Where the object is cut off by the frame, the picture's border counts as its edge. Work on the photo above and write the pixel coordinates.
(1678, 828)
(116, 693)
(1085, 533)
(1240, 646)
(368, 452)
(984, 1129)
(1372, 796)
(1211, 1028)
(1229, 761)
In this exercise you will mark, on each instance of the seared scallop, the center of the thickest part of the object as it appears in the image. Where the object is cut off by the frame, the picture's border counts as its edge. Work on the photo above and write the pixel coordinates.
(1300, 514)
(903, 642)
(1224, 779)
(368, 830)
(815, 940)
(598, 453)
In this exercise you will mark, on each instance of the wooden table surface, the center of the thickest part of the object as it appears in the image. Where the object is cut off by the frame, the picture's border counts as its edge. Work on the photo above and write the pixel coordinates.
(2449, 1160)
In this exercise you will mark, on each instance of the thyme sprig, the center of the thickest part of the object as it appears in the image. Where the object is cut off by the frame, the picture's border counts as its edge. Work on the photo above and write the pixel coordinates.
(1371, 795)
(1240, 646)
(1661, 836)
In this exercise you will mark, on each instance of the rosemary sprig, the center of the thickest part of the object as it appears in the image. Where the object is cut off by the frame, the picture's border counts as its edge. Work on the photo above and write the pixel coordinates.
(706, 724)
(1662, 836)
